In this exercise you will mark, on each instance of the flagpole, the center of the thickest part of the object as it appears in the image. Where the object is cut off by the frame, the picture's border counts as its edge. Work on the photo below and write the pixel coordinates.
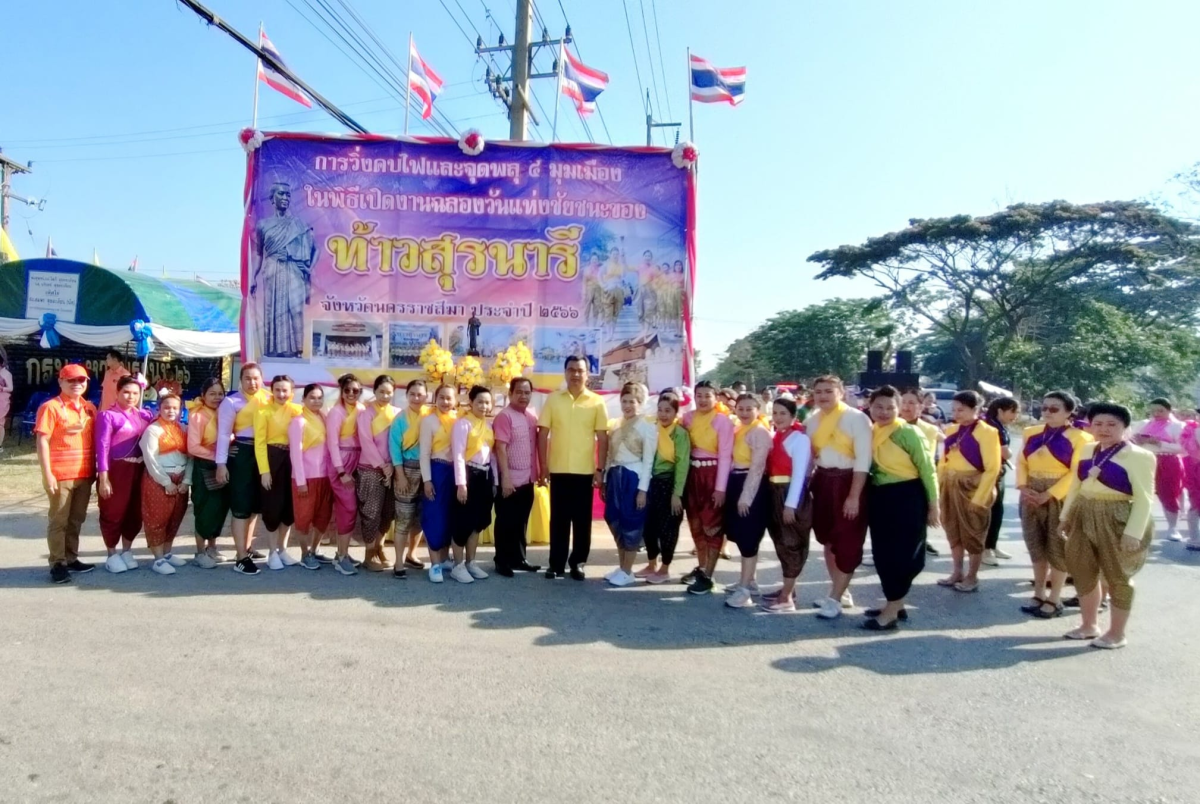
(257, 70)
(408, 83)
(557, 92)
(691, 119)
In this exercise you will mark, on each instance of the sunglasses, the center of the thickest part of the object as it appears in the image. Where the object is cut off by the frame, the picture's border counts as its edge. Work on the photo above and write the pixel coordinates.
(353, 391)
(1052, 410)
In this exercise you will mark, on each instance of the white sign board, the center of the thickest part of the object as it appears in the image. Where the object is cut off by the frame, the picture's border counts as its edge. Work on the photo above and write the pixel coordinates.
(52, 292)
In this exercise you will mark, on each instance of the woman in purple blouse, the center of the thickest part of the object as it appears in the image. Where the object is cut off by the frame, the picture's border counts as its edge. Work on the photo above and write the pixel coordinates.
(119, 464)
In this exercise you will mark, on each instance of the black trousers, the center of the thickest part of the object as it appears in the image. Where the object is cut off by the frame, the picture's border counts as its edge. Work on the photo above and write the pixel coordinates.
(512, 520)
(570, 508)
(897, 515)
(993, 534)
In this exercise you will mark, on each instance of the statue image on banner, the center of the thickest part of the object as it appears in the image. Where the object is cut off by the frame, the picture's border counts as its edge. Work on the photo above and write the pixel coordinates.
(281, 282)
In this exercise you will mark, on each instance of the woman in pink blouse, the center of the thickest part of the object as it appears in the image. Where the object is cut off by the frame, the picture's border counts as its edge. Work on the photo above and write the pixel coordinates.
(312, 498)
(119, 463)
(376, 497)
(341, 437)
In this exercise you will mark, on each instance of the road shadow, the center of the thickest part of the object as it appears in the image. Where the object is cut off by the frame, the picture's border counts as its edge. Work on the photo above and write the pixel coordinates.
(934, 654)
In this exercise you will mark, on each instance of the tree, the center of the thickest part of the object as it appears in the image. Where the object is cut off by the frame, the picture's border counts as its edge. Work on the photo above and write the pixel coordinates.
(800, 344)
(987, 286)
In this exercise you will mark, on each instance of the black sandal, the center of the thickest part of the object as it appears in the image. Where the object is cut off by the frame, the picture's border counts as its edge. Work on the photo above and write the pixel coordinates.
(874, 613)
(1042, 614)
(414, 563)
(1035, 606)
(874, 625)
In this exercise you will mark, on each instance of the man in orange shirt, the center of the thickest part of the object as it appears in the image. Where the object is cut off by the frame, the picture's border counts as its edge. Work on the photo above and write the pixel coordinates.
(114, 369)
(66, 451)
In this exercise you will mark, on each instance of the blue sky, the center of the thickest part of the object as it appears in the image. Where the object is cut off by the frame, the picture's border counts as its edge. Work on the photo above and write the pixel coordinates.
(858, 117)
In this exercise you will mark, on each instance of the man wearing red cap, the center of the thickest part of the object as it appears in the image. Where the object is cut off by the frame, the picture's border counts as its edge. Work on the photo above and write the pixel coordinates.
(67, 455)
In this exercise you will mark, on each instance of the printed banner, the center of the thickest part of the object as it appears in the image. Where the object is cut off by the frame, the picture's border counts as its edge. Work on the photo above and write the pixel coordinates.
(358, 251)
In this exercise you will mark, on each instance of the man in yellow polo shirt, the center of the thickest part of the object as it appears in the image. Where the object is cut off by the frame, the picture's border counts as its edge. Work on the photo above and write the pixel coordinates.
(573, 448)
(66, 451)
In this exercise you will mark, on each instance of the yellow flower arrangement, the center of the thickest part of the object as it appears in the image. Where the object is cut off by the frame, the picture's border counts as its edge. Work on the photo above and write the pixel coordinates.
(510, 364)
(468, 372)
(437, 362)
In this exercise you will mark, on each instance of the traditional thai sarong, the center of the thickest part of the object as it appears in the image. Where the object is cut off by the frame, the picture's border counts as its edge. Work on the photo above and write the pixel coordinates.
(1040, 526)
(408, 507)
(121, 512)
(245, 484)
(898, 515)
(791, 541)
(345, 496)
(966, 524)
(626, 521)
(475, 515)
(376, 503)
(435, 513)
(843, 537)
(1168, 482)
(162, 513)
(706, 521)
(313, 511)
(661, 532)
(1094, 531)
(746, 531)
(277, 501)
(210, 502)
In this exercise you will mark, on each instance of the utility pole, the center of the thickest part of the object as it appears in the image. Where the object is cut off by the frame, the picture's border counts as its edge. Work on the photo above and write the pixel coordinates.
(8, 169)
(651, 124)
(517, 97)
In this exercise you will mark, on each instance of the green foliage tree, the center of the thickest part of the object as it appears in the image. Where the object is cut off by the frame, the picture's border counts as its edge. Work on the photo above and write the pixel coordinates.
(994, 292)
(800, 344)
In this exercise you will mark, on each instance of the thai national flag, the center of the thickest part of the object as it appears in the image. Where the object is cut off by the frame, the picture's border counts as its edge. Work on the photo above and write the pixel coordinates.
(273, 78)
(717, 84)
(581, 83)
(423, 82)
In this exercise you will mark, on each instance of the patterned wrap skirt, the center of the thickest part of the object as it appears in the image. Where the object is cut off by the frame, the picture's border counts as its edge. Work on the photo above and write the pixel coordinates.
(408, 507)
(345, 495)
(626, 521)
(705, 520)
(1040, 527)
(965, 523)
(162, 513)
(376, 503)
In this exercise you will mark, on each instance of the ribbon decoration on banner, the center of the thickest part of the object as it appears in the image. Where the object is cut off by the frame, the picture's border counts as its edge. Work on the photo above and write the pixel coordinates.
(143, 337)
(49, 339)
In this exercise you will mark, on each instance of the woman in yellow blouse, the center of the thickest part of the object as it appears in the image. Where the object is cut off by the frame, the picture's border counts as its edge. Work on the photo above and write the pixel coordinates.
(1106, 519)
(967, 480)
(275, 468)
(1048, 457)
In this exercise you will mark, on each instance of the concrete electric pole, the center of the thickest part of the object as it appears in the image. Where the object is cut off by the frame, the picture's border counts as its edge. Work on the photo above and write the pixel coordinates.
(8, 169)
(651, 124)
(518, 98)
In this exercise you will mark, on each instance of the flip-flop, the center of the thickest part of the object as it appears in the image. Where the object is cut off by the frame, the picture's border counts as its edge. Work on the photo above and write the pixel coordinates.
(962, 587)
(1080, 636)
(1108, 644)
(946, 582)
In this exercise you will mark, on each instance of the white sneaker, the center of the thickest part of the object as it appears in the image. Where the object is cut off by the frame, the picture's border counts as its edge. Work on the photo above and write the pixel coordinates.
(162, 567)
(273, 561)
(829, 609)
(739, 599)
(990, 558)
(847, 600)
(621, 578)
(287, 559)
(130, 561)
(448, 565)
(435, 574)
(752, 588)
(204, 561)
(476, 571)
(1174, 536)
(999, 553)
(461, 574)
(612, 574)
(175, 561)
(114, 564)
(215, 554)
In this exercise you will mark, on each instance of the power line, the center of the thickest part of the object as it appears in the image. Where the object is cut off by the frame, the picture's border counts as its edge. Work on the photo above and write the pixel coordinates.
(633, 52)
(661, 61)
(650, 60)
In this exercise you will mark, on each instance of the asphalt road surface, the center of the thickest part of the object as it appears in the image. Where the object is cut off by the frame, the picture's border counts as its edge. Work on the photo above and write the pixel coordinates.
(297, 686)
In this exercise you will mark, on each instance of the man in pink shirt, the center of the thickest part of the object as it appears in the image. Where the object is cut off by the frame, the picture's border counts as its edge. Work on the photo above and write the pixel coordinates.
(114, 369)
(516, 453)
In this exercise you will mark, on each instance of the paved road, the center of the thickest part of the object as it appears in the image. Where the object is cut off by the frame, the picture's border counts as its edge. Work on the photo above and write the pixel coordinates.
(298, 687)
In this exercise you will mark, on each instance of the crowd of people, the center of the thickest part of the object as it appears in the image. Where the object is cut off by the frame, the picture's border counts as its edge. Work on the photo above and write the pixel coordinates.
(739, 467)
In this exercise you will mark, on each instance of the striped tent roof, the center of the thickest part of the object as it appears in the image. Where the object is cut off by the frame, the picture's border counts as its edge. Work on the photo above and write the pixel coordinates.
(116, 298)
